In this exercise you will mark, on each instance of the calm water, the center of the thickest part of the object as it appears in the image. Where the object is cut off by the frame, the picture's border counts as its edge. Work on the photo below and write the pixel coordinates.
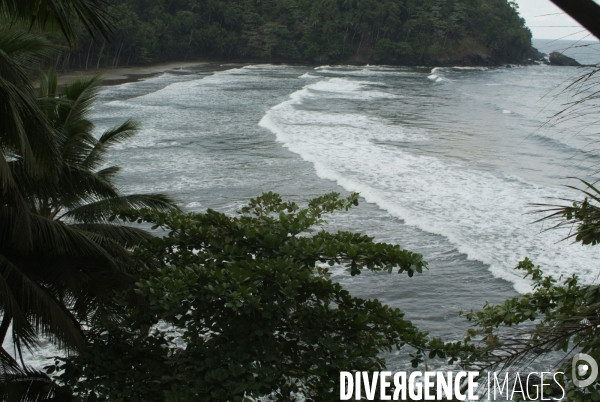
(447, 162)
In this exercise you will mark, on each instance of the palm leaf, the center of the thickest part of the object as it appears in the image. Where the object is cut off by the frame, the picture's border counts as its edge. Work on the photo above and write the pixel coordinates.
(61, 14)
(108, 173)
(82, 94)
(115, 135)
(25, 130)
(28, 385)
(79, 186)
(125, 236)
(48, 85)
(102, 211)
(35, 311)
(581, 217)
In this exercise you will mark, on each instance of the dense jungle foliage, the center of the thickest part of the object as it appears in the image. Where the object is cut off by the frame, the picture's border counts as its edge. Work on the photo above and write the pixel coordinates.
(359, 31)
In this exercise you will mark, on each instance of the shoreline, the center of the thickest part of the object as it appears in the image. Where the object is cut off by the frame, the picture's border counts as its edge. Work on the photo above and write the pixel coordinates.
(122, 75)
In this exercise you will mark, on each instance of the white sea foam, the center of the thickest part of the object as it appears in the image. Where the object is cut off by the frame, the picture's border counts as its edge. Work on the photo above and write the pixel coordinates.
(481, 212)
(470, 68)
(434, 75)
(344, 88)
(365, 72)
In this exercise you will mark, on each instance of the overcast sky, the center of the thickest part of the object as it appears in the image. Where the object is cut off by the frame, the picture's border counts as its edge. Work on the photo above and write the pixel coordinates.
(547, 21)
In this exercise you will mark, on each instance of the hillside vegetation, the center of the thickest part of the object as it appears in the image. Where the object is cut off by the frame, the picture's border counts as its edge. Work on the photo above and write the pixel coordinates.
(310, 31)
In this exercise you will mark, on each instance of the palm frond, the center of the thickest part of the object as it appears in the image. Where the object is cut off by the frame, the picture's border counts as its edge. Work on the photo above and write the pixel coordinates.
(48, 85)
(80, 186)
(92, 14)
(115, 135)
(25, 48)
(108, 173)
(102, 211)
(79, 143)
(13, 310)
(56, 239)
(81, 93)
(15, 222)
(580, 217)
(27, 385)
(34, 311)
(26, 131)
(125, 236)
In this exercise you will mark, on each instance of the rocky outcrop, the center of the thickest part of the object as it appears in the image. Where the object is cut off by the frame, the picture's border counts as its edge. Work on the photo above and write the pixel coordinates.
(559, 59)
(535, 55)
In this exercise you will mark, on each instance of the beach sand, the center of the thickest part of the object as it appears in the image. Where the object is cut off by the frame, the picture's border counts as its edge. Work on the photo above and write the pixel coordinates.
(114, 76)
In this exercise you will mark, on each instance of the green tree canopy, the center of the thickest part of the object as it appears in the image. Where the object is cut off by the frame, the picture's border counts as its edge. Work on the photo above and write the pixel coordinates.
(252, 310)
(384, 31)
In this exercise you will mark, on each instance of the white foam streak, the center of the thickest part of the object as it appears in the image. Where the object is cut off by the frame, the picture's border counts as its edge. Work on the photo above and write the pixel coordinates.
(482, 213)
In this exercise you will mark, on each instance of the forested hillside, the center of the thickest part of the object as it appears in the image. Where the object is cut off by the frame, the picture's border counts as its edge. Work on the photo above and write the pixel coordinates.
(314, 31)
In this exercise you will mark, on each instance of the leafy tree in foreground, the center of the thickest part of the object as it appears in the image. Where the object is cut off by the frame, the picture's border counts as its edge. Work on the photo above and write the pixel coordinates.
(252, 308)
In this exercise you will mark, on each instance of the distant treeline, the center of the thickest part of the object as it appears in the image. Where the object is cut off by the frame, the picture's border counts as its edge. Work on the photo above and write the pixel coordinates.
(314, 31)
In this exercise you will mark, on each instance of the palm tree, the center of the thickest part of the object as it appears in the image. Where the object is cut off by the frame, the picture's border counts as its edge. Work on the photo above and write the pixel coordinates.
(23, 129)
(56, 272)
(81, 254)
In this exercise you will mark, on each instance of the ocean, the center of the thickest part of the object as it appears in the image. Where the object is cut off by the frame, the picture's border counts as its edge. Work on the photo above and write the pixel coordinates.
(448, 162)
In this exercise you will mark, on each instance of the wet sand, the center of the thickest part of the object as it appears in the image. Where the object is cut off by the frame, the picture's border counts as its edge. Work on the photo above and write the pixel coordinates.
(114, 76)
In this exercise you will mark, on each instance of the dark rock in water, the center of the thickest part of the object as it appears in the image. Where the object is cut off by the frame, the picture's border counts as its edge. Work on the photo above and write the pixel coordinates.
(559, 59)
(536, 55)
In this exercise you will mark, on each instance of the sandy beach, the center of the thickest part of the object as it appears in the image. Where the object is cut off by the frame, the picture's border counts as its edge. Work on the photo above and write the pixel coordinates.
(113, 76)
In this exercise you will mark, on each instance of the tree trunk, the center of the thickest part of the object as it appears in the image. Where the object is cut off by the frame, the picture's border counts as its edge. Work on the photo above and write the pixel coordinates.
(189, 44)
(116, 63)
(116, 54)
(100, 55)
(360, 43)
(88, 55)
